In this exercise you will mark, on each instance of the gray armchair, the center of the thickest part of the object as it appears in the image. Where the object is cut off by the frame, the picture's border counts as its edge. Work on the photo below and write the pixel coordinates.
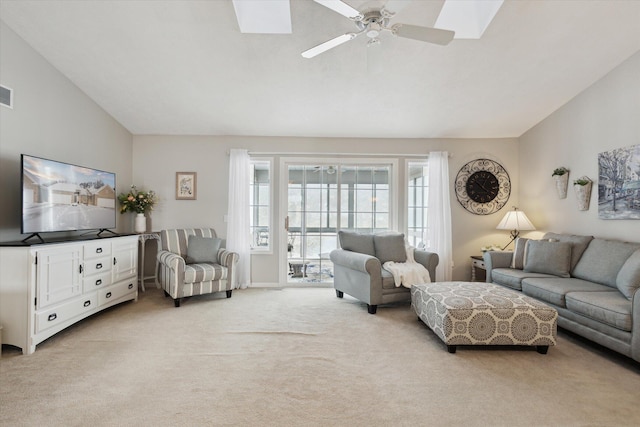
(191, 262)
(357, 267)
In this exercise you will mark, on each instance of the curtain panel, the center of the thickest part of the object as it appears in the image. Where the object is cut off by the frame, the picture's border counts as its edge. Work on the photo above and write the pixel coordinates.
(238, 223)
(439, 214)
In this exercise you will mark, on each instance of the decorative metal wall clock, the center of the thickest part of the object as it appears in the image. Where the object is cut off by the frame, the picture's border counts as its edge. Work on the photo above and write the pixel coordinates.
(483, 186)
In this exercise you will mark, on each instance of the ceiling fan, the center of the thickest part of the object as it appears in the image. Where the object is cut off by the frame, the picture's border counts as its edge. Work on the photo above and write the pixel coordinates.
(372, 22)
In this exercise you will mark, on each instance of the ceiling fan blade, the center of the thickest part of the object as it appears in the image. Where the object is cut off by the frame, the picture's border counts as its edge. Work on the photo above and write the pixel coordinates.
(329, 44)
(342, 8)
(425, 34)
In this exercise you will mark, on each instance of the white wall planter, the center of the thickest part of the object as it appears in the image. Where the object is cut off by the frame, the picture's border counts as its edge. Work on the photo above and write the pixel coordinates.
(562, 182)
(583, 193)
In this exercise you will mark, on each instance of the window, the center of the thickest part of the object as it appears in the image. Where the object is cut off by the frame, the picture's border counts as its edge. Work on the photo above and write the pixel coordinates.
(417, 203)
(260, 205)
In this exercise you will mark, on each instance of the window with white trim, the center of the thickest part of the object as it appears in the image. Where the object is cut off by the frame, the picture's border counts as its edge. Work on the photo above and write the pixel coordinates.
(260, 205)
(417, 203)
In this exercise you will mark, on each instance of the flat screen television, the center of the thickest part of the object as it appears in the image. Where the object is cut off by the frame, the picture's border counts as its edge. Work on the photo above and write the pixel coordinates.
(59, 196)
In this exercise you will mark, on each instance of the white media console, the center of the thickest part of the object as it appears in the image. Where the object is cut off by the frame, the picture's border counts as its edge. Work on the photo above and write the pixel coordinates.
(45, 288)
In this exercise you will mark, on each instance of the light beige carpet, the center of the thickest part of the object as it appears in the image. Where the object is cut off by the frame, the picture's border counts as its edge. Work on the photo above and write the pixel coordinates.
(301, 357)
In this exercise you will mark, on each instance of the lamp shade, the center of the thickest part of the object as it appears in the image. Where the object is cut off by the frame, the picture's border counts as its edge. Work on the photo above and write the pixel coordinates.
(515, 220)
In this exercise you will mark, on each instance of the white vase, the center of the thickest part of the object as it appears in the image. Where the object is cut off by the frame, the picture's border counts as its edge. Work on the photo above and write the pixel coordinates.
(140, 223)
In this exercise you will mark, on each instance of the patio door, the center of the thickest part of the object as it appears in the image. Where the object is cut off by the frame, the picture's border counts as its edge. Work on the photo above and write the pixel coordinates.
(322, 199)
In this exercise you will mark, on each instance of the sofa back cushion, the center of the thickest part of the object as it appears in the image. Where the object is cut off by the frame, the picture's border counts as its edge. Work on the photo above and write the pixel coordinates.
(548, 257)
(356, 242)
(628, 280)
(177, 240)
(390, 247)
(578, 244)
(602, 261)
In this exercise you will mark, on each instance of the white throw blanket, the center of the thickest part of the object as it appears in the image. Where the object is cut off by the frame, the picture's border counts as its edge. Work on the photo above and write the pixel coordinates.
(408, 273)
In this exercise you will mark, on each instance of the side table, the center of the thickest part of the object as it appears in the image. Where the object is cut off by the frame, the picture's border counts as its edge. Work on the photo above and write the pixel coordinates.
(478, 270)
(142, 239)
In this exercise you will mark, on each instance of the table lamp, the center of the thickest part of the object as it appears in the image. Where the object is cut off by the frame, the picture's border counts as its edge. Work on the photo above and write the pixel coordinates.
(515, 221)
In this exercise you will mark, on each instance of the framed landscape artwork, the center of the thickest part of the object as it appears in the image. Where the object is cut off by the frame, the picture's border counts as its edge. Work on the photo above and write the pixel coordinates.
(186, 185)
(619, 183)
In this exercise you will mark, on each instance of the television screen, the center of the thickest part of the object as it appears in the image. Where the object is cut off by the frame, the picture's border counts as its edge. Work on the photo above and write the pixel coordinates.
(58, 196)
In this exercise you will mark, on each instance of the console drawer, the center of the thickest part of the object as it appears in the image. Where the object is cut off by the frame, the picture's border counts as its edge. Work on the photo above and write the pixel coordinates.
(115, 292)
(51, 317)
(97, 281)
(96, 249)
(97, 265)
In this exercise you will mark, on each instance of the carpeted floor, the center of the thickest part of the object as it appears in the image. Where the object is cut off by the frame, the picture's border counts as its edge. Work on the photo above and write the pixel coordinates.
(301, 357)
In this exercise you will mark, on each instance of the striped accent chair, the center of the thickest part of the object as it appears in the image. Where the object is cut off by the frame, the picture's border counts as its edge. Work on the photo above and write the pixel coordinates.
(179, 279)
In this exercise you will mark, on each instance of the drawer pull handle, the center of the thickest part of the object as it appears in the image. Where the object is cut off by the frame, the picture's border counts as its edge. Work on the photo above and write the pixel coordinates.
(108, 295)
(87, 303)
(99, 250)
(130, 285)
(52, 317)
(98, 282)
(114, 261)
(98, 266)
(80, 268)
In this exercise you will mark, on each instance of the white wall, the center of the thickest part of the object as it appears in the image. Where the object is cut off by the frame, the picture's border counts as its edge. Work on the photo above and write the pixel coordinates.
(54, 119)
(603, 117)
(158, 158)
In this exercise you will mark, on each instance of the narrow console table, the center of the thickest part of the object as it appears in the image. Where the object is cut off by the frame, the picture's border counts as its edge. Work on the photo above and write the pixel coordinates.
(143, 238)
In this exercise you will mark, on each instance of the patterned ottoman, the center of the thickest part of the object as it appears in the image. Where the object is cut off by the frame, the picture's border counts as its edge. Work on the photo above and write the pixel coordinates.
(477, 313)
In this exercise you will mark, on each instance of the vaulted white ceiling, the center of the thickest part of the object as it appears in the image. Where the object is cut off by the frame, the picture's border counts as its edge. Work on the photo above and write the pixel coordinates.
(183, 67)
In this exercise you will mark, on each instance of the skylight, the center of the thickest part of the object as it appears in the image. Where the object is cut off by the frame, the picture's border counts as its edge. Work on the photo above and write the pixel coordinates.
(468, 18)
(264, 17)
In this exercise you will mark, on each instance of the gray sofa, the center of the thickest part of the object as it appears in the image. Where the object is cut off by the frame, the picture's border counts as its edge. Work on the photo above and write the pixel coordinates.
(357, 267)
(591, 282)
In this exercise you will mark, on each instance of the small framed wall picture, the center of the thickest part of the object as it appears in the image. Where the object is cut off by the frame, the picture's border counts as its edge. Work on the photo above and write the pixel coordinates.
(186, 185)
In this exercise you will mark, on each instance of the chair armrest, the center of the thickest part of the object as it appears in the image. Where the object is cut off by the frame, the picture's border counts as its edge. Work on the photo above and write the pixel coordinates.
(229, 259)
(496, 259)
(171, 272)
(356, 261)
(429, 260)
(171, 260)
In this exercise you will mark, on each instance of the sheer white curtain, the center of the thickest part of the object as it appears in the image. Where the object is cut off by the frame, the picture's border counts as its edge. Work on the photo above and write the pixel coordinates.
(439, 214)
(238, 227)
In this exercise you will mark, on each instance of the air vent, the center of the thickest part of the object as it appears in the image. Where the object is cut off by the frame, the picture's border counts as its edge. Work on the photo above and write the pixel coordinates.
(6, 96)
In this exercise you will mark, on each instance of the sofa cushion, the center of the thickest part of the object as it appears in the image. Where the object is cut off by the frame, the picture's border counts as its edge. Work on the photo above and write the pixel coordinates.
(554, 290)
(512, 278)
(602, 261)
(194, 273)
(578, 244)
(608, 307)
(628, 280)
(356, 242)
(390, 247)
(548, 257)
(519, 253)
(202, 249)
(388, 282)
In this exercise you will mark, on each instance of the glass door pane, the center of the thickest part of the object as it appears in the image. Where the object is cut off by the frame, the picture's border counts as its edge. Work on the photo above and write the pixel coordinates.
(323, 199)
